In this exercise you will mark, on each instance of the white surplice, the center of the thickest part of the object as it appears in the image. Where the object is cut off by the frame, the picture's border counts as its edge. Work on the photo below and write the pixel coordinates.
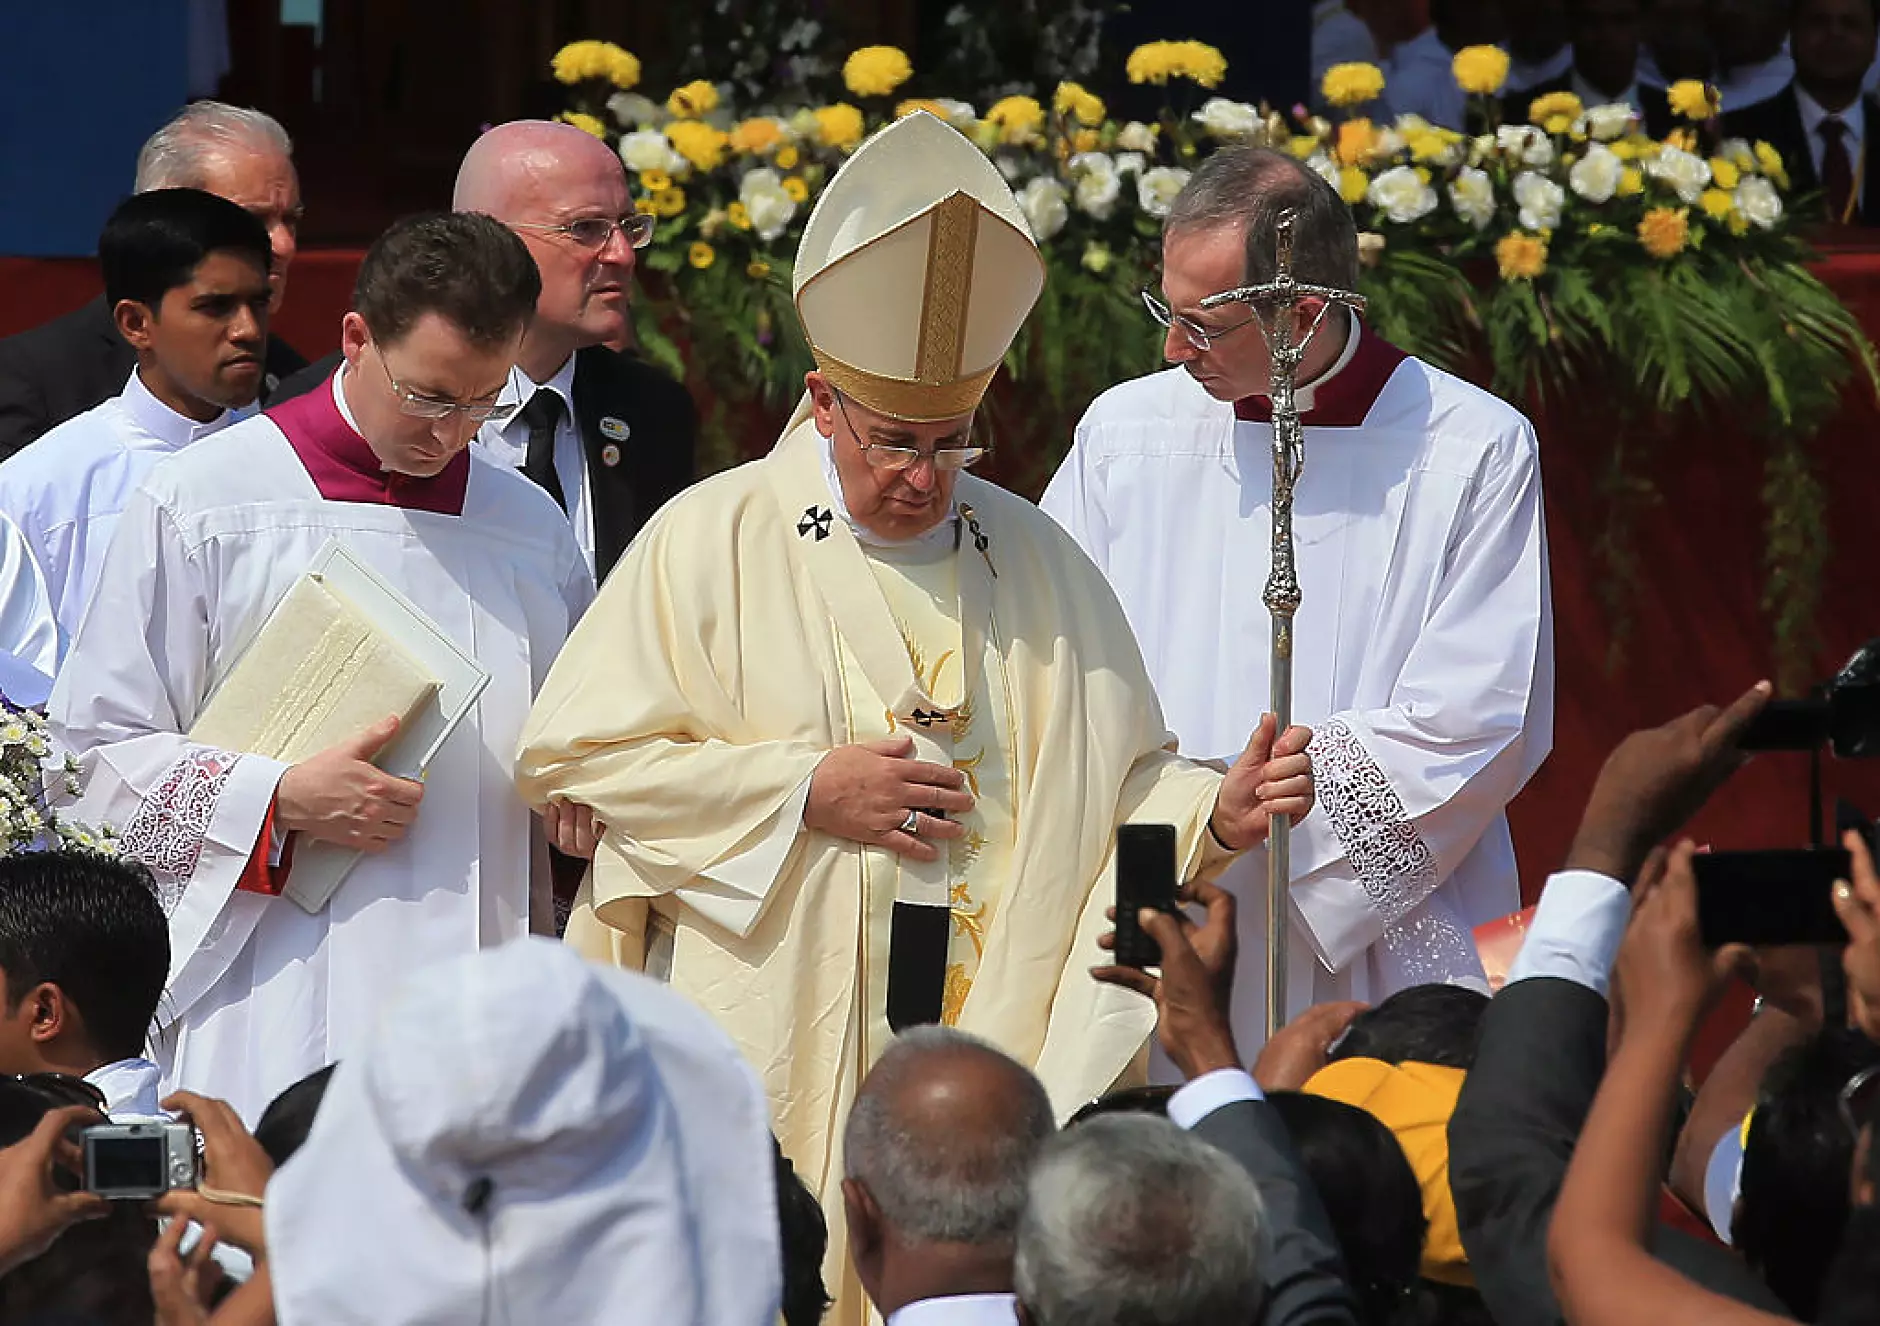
(1423, 648)
(260, 992)
(29, 636)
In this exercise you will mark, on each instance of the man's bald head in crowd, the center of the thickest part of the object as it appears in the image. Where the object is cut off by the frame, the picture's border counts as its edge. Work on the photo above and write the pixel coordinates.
(538, 177)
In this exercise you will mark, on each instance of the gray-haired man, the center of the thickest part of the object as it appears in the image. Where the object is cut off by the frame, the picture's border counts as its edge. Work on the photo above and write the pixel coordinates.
(938, 1151)
(65, 367)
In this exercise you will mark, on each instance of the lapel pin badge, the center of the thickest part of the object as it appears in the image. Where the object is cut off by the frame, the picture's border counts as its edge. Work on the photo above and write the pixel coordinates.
(615, 428)
(610, 455)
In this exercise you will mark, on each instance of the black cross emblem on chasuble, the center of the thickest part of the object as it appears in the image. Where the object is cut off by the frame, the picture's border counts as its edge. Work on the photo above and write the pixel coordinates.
(926, 719)
(815, 521)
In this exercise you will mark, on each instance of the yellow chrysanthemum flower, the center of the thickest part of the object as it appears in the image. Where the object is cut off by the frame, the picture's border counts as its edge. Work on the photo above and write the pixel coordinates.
(908, 107)
(587, 124)
(1302, 146)
(1664, 231)
(739, 216)
(669, 202)
(1158, 61)
(1352, 185)
(652, 181)
(756, 136)
(1717, 204)
(693, 100)
(1631, 182)
(875, 71)
(838, 126)
(757, 269)
(1685, 140)
(1724, 173)
(701, 255)
(1017, 118)
(1626, 149)
(1351, 84)
(1694, 99)
(1480, 70)
(579, 61)
(1769, 161)
(1521, 256)
(786, 157)
(794, 186)
(698, 143)
(1085, 140)
(1426, 144)
(1084, 107)
(1555, 112)
(1356, 141)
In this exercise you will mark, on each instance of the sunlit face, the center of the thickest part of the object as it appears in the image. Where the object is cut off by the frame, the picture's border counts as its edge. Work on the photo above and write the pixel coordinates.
(585, 290)
(1202, 262)
(206, 339)
(894, 504)
(434, 361)
(265, 185)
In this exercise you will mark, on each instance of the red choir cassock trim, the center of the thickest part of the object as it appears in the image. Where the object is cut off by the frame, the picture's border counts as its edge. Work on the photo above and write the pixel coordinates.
(345, 468)
(1346, 400)
(260, 877)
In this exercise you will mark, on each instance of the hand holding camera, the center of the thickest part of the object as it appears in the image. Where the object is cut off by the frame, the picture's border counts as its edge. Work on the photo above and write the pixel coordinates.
(35, 1207)
(235, 1173)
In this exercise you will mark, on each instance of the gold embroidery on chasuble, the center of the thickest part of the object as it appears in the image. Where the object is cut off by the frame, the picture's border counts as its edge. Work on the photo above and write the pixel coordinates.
(921, 589)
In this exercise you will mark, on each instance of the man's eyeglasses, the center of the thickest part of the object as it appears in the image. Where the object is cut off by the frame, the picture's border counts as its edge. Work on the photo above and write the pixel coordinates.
(884, 457)
(593, 232)
(1202, 338)
(421, 406)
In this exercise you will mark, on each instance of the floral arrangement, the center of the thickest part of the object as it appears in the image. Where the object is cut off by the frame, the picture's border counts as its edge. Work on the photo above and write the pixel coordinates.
(28, 820)
(1567, 247)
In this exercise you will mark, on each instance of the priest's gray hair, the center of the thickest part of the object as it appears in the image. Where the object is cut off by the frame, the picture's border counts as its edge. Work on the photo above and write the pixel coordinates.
(1253, 187)
(1132, 1220)
(943, 1135)
(176, 156)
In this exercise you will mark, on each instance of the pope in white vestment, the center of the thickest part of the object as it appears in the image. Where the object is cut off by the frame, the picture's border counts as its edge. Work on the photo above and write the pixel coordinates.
(1423, 647)
(261, 992)
(759, 626)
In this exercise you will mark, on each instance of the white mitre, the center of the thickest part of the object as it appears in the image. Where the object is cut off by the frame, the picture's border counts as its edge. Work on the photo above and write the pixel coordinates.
(915, 271)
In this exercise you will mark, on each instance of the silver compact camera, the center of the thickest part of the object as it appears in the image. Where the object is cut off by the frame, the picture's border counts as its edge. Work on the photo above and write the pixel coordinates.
(131, 1161)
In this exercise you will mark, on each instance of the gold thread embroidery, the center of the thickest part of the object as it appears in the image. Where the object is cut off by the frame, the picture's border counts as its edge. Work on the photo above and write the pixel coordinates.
(970, 767)
(953, 998)
(951, 249)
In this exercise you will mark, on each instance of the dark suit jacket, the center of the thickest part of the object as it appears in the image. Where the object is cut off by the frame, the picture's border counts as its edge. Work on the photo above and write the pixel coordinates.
(1654, 105)
(631, 475)
(1305, 1273)
(1538, 1066)
(1778, 122)
(64, 367)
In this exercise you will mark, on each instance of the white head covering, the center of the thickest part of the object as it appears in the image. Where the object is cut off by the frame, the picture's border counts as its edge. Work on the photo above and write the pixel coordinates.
(530, 1138)
(915, 272)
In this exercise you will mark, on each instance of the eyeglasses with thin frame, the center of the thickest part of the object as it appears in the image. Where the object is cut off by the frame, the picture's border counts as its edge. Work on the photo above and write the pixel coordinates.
(881, 456)
(594, 232)
(420, 406)
(1202, 338)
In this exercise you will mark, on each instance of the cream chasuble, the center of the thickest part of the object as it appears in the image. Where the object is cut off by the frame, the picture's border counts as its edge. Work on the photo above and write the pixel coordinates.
(746, 634)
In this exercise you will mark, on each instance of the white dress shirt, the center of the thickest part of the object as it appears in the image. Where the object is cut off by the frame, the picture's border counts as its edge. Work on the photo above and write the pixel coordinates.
(1576, 930)
(66, 490)
(958, 1310)
(1421, 80)
(508, 442)
(1211, 1092)
(1751, 83)
(1524, 74)
(130, 1089)
(1814, 114)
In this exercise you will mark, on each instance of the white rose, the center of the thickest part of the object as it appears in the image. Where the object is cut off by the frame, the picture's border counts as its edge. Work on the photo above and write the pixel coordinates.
(1605, 123)
(649, 149)
(1321, 161)
(1129, 163)
(1009, 166)
(1757, 199)
(1227, 119)
(959, 114)
(1098, 185)
(1156, 189)
(1539, 199)
(632, 108)
(1738, 153)
(1685, 173)
(1042, 201)
(1388, 144)
(1401, 194)
(1595, 176)
(1136, 137)
(1472, 194)
(1525, 143)
(769, 207)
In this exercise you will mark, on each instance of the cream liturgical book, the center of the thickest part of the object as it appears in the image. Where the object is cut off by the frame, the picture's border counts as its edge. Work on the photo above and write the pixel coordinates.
(340, 651)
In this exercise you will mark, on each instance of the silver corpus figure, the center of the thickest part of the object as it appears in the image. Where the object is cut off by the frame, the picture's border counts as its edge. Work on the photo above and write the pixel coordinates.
(1276, 305)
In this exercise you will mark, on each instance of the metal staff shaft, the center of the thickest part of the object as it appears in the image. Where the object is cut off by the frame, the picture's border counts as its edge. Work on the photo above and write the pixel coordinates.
(1276, 304)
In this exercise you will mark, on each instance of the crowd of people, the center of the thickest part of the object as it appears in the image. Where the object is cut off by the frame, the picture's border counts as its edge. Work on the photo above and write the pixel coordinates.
(735, 950)
(1799, 75)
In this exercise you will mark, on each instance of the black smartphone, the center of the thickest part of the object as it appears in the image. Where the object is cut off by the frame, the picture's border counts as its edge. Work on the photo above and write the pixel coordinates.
(1768, 898)
(1145, 877)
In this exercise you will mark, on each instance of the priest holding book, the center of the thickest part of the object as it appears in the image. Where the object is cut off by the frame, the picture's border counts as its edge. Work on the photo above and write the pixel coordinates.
(861, 727)
(268, 983)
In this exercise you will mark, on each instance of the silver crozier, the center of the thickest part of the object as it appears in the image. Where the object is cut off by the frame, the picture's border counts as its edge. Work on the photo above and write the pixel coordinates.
(1276, 305)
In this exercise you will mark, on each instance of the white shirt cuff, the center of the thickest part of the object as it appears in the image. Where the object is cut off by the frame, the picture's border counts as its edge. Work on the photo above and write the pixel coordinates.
(1210, 1092)
(1576, 930)
(1723, 1178)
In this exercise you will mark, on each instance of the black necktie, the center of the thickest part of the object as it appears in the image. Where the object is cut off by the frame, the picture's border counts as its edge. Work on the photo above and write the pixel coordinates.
(542, 414)
(1837, 169)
